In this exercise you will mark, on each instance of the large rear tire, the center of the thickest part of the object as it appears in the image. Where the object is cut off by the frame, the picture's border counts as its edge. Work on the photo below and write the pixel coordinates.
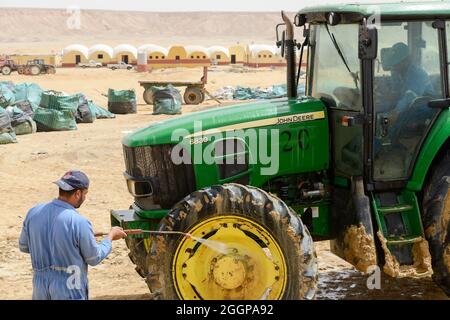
(249, 245)
(35, 70)
(436, 221)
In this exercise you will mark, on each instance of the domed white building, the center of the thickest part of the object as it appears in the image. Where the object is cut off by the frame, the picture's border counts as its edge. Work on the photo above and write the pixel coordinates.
(154, 53)
(219, 55)
(74, 54)
(126, 53)
(262, 55)
(101, 53)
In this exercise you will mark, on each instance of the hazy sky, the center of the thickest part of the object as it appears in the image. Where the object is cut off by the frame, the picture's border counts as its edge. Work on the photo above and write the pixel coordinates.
(177, 5)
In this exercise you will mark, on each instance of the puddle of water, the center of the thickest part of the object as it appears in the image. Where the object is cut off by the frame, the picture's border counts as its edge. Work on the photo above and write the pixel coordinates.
(352, 285)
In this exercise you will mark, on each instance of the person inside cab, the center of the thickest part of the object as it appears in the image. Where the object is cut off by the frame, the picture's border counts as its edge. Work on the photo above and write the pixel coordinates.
(408, 80)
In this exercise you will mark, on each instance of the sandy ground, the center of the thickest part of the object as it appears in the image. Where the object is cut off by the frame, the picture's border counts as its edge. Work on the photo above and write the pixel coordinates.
(29, 167)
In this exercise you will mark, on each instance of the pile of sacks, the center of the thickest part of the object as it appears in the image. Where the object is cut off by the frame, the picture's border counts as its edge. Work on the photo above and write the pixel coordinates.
(244, 93)
(27, 108)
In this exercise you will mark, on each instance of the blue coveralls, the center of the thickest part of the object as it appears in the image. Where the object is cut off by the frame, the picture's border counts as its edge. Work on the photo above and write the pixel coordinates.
(415, 83)
(61, 243)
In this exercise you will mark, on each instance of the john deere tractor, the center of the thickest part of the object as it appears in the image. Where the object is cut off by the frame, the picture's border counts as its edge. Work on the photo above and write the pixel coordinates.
(363, 160)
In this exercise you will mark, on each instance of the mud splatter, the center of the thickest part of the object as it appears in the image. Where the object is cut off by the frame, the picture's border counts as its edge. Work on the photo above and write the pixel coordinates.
(430, 232)
(446, 215)
(198, 206)
(421, 256)
(447, 257)
(218, 204)
(338, 280)
(359, 248)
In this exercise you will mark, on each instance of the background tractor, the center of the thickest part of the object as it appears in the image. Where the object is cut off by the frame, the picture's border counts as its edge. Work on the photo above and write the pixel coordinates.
(36, 67)
(362, 160)
(7, 66)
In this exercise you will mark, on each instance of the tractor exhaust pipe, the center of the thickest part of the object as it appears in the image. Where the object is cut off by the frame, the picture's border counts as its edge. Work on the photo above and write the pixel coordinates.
(290, 48)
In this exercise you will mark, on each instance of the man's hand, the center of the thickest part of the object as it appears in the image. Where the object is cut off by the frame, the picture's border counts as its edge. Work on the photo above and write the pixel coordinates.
(116, 233)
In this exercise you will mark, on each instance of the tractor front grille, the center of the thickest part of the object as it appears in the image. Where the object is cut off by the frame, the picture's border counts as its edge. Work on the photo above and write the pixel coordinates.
(171, 182)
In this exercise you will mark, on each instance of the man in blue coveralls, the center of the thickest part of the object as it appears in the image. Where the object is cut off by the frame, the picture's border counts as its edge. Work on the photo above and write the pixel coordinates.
(62, 243)
(409, 80)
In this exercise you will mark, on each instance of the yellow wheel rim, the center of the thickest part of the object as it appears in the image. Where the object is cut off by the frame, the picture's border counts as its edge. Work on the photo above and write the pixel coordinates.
(230, 257)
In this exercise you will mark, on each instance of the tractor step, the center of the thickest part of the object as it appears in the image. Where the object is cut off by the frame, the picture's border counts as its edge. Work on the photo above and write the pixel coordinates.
(407, 240)
(396, 209)
(399, 221)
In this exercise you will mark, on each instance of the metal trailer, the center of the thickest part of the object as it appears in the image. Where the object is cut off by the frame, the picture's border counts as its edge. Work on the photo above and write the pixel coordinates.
(193, 94)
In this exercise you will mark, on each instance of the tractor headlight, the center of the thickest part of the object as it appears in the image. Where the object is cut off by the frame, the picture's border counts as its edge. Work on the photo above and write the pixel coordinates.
(139, 187)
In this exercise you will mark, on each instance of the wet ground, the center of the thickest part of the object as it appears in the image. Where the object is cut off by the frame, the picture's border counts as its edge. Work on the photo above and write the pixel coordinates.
(338, 280)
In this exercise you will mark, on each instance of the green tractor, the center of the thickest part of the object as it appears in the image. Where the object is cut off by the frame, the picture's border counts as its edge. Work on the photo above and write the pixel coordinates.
(363, 160)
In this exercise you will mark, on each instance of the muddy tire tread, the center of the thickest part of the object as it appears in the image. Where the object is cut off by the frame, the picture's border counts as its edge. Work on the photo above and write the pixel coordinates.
(436, 194)
(250, 202)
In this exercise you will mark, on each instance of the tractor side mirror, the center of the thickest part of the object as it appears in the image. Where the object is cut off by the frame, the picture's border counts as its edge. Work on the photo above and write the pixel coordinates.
(368, 42)
(283, 43)
(300, 20)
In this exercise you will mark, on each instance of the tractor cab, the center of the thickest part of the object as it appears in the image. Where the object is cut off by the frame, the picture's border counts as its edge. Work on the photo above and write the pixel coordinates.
(382, 73)
(384, 78)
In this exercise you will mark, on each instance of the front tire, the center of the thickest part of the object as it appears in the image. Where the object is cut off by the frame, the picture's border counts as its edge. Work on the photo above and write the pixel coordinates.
(138, 254)
(436, 221)
(249, 245)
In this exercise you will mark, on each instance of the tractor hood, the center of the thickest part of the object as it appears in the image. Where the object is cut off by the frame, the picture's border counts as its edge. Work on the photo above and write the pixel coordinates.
(225, 117)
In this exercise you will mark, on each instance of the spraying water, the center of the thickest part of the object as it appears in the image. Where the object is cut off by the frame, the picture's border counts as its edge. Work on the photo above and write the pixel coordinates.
(217, 246)
(214, 245)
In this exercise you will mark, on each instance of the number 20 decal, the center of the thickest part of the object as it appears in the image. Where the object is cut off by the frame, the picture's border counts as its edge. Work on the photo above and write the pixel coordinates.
(302, 140)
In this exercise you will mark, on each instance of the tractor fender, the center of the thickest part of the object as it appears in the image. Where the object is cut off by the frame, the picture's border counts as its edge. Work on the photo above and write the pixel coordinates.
(438, 139)
(354, 236)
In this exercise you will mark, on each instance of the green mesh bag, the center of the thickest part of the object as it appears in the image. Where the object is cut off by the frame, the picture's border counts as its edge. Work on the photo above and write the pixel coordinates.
(26, 127)
(99, 112)
(7, 134)
(166, 100)
(54, 120)
(58, 101)
(7, 97)
(122, 101)
(30, 92)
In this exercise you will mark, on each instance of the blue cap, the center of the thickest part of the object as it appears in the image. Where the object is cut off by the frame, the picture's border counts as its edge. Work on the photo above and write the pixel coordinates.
(73, 180)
